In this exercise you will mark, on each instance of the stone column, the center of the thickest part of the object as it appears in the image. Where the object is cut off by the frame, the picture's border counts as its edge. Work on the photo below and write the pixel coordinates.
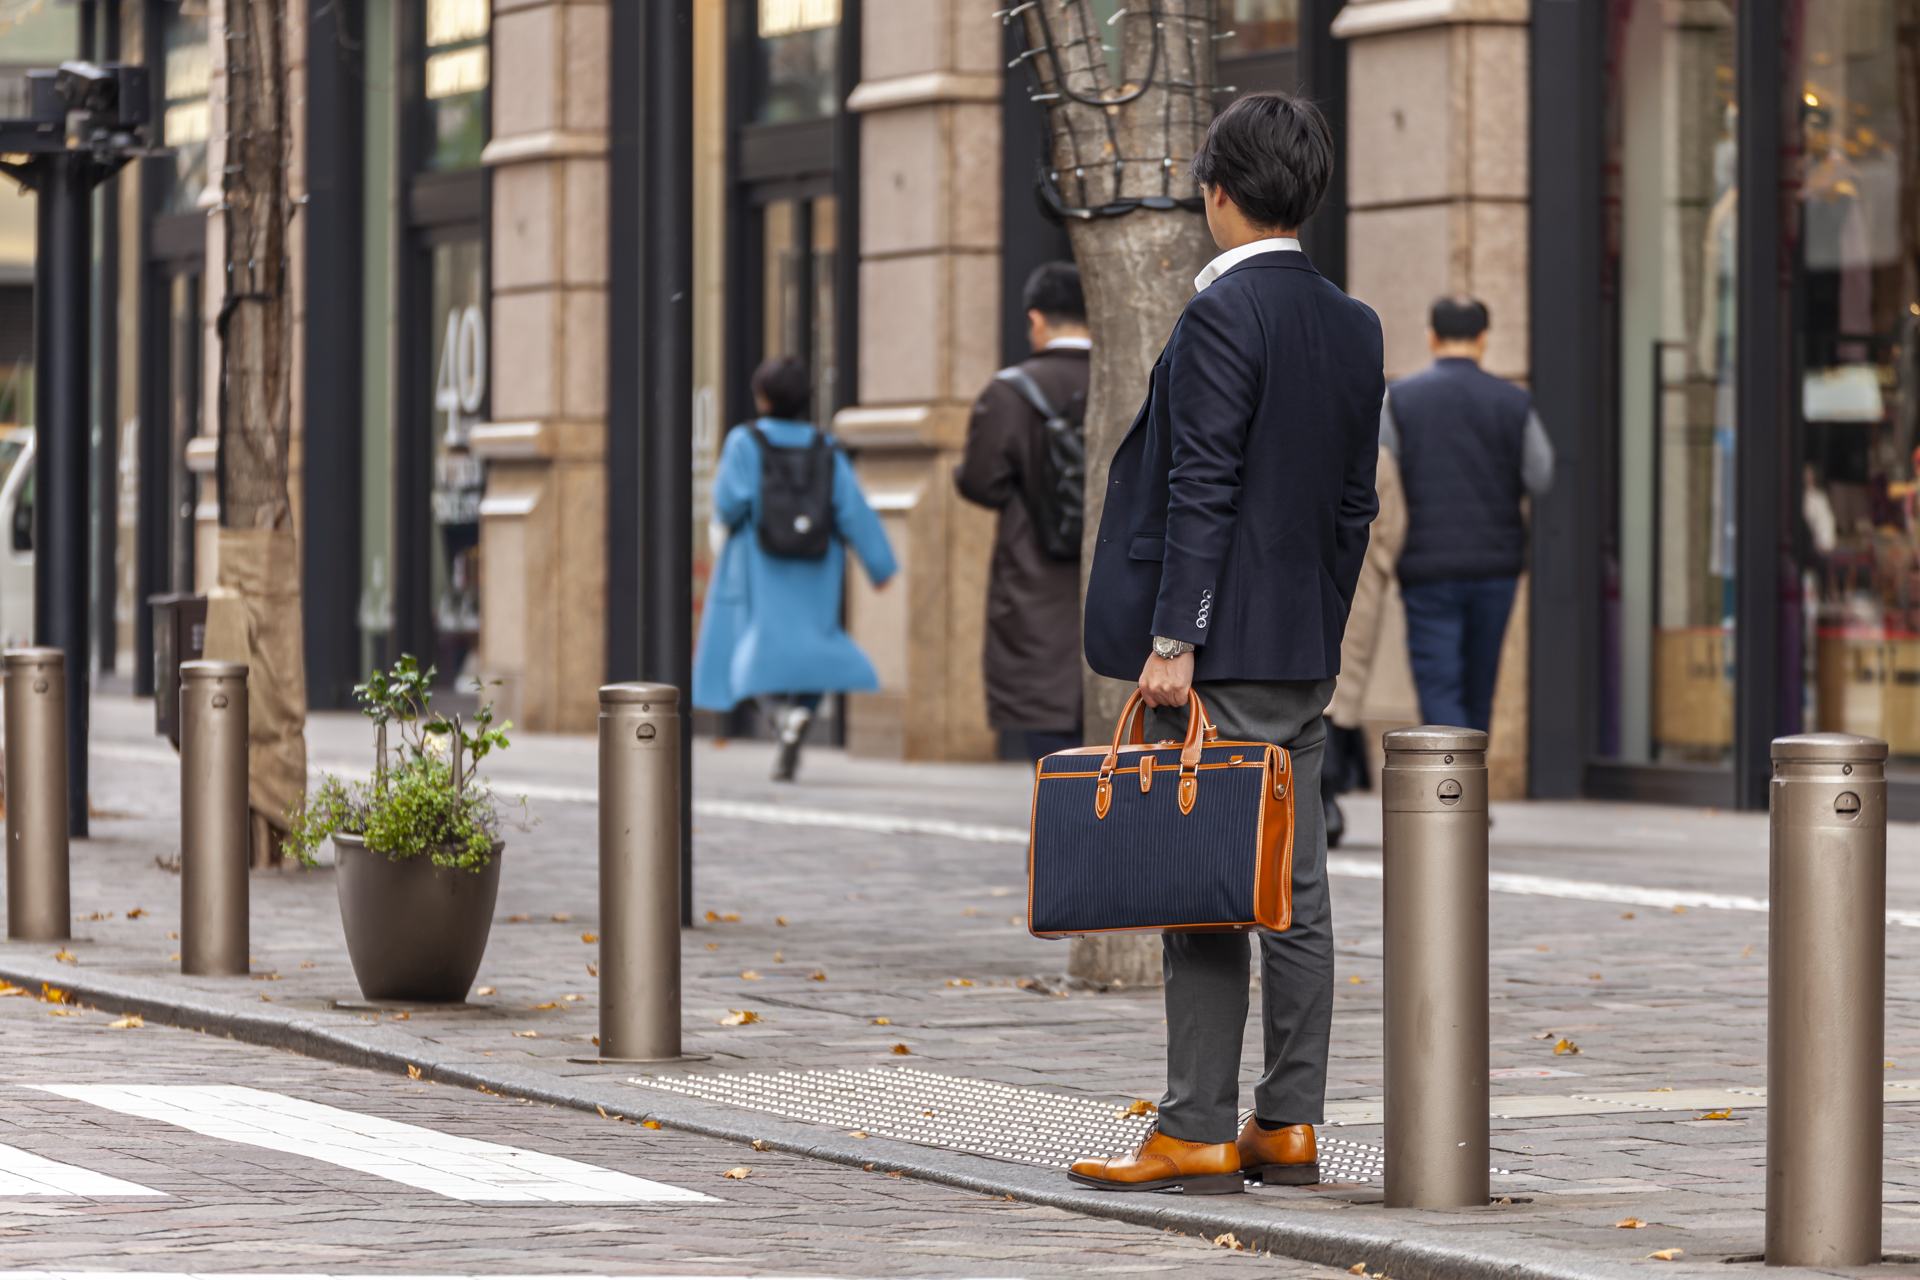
(1437, 116)
(543, 517)
(929, 341)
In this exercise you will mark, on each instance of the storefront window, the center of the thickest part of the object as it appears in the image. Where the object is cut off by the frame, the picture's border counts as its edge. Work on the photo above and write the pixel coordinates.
(459, 401)
(1259, 26)
(798, 292)
(186, 118)
(798, 66)
(1668, 693)
(1859, 319)
(458, 71)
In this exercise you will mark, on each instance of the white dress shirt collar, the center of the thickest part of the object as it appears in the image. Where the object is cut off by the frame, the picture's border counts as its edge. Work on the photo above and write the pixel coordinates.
(1234, 257)
(1069, 344)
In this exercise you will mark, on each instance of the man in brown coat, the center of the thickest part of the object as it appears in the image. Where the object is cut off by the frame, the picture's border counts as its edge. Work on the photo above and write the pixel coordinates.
(1033, 598)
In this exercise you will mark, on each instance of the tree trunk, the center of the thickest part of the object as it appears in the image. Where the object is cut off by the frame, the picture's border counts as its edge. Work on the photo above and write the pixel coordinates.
(254, 612)
(1132, 142)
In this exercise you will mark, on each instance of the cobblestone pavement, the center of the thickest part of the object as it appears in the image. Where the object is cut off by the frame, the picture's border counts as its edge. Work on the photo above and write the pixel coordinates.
(836, 929)
(225, 1206)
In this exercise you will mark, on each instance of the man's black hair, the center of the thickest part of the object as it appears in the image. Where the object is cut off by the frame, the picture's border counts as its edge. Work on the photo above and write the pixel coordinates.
(1054, 291)
(783, 383)
(1458, 319)
(1273, 154)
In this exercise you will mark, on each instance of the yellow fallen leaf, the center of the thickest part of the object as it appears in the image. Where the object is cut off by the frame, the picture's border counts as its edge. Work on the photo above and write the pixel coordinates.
(8, 993)
(551, 1004)
(265, 998)
(713, 917)
(1594, 976)
(1724, 1114)
(559, 917)
(649, 1124)
(817, 977)
(1626, 915)
(750, 976)
(739, 1171)
(713, 946)
(54, 995)
(1667, 1255)
(131, 1020)
(266, 977)
(1357, 1269)
(761, 1144)
(520, 919)
(1564, 1045)
(959, 982)
(857, 1133)
(137, 912)
(739, 1018)
(732, 917)
(571, 998)
(593, 969)
(1630, 1224)
(883, 1022)
(971, 911)
(306, 964)
(902, 1049)
(63, 1013)
(65, 956)
(398, 1017)
(1679, 911)
(413, 1072)
(589, 937)
(1544, 1035)
(1356, 980)
(1747, 951)
(528, 1035)
(1228, 1240)
(486, 991)
(8, 989)
(781, 921)
(1141, 1107)
(1543, 948)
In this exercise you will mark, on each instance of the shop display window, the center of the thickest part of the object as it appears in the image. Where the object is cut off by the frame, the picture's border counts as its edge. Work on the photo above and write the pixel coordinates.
(1258, 26)
(458, 70)
(1857, 310)
(797, 60)
(1669, 573)
(186, 115)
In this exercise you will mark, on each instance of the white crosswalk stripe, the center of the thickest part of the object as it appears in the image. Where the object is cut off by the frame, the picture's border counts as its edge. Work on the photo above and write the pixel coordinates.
(24, 1174)
(460, 1168)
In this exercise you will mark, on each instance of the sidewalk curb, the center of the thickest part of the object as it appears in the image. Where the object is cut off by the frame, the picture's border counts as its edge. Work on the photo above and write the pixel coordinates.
(1409, 1252)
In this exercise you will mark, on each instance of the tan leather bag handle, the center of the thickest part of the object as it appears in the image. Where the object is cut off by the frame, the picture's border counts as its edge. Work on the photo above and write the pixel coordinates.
(1200, 731)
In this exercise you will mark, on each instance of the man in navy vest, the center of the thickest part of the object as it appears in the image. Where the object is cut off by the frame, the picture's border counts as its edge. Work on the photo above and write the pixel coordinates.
(1469, 444)
(1230, 544)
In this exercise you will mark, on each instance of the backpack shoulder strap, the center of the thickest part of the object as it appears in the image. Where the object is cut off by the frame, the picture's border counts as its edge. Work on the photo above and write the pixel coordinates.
(1027, 389)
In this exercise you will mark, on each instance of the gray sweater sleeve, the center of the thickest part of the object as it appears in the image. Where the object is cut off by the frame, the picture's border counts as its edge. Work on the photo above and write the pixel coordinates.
(1536, 458)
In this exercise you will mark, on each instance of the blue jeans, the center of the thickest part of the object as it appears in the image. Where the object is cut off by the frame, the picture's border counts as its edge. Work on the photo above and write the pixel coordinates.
(1454, 631)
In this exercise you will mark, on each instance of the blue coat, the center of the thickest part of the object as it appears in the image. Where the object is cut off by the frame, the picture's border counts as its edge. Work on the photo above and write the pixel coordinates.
(772, 624)
(1238, 503)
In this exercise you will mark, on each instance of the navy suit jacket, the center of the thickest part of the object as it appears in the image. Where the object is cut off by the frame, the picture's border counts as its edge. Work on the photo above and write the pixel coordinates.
(1238, 503)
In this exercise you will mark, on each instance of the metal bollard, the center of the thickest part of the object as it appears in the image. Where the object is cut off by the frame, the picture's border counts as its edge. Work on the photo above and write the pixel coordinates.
(38, 906)
(1434, 798)
(640, 873)
(1826, 1000)
(213, 818)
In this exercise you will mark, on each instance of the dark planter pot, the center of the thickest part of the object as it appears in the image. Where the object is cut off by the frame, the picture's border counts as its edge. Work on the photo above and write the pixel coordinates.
(414, 931)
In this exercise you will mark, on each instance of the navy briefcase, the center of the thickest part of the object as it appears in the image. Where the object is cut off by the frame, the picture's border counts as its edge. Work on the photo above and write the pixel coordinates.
(1148, 837)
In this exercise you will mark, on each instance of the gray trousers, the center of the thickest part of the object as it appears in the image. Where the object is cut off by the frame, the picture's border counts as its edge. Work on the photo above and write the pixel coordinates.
(1206, 973)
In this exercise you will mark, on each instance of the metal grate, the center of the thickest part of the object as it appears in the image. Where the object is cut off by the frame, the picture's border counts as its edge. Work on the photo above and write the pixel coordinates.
(981, 1117)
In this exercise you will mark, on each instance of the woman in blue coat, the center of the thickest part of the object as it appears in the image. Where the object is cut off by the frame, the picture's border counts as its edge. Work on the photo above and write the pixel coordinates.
(771, 626)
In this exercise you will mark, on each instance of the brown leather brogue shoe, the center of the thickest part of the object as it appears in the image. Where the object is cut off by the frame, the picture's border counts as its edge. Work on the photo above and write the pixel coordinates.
(1167, 1164)
(1279, 1157)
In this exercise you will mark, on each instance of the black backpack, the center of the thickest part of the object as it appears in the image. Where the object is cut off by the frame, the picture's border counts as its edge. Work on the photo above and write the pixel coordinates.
(796, 497)
(1058, 503)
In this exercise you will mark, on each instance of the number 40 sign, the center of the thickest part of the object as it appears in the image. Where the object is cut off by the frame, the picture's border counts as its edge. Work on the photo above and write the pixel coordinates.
(461, 385)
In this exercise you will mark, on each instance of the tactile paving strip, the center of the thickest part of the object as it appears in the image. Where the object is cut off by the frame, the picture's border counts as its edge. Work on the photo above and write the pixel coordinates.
(981, 1117)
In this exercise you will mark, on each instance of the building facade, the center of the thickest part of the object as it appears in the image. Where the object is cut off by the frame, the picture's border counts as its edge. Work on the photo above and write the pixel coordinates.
(1729, 553)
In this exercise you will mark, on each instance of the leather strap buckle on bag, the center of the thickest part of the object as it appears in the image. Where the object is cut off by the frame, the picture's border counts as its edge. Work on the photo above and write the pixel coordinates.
(1200, 731)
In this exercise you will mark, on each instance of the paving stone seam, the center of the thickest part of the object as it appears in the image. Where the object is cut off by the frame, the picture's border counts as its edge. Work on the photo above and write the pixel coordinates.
(1410, 1253)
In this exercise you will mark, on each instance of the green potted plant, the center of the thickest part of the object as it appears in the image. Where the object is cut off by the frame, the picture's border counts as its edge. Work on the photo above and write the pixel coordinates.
(417, 849)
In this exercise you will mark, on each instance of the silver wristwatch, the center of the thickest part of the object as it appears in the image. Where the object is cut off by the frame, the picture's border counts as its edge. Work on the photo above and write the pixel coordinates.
(1170, 649)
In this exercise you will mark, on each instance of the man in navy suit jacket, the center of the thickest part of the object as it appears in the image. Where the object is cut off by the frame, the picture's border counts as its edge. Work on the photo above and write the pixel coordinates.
(1231, 542)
